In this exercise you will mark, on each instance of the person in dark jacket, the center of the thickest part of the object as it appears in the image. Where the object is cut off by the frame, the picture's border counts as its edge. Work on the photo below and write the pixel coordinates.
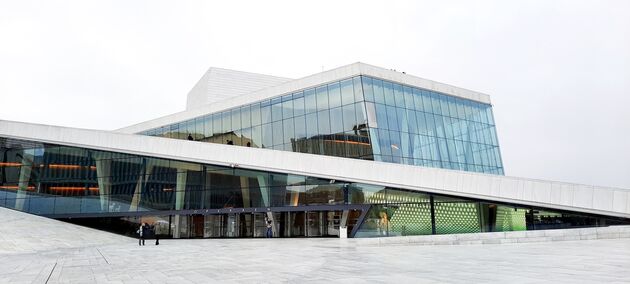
(155, 234)
(146, 232)
(142, 232)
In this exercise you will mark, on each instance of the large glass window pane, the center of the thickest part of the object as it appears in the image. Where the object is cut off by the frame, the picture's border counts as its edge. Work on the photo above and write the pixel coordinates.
(300, 127)
(392, 118)
(255, 108)
(207, 132)
(257, 136)
(411, 121)
(298, 103)
(217, 127)
(409, 102)
(334, 95)
(368, 89)
(226, 121)
(265, 111)
(311, 125)
(349, 118)
(322, 98)
(323, 122)
(289, 132)
(439, 126)
(366, 113)
(399, 96)
(267, 136)
(277, 133)
(379, 95)
(452, 107)
(490, 115)
(396, 146)
(236, 119)
(426, 101)
(347, 93)
(435, 103)
(245, 117)
(199, 128)
(444, 106)
(287, 106)
(417, 99)
(310, 100)
(384, 142)
(336, 120)
(388, 89)
(381, 117)
(358, 90)
(276, 109)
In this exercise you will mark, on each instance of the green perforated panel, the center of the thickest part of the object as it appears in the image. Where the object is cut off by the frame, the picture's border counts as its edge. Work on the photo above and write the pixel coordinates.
(457, 217)
(510, 219)
(411, 219)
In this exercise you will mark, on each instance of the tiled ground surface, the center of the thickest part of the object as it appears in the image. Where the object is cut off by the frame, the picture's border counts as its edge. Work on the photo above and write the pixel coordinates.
(34, 249)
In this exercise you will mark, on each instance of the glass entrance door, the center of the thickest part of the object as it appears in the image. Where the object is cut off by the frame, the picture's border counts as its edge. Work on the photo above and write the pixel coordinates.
(230, 224)
(260, 228)
(314, 222)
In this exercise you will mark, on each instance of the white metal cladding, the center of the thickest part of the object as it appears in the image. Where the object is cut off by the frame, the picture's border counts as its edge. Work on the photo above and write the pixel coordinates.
(557, 195)
(219, 84)
(306, 82)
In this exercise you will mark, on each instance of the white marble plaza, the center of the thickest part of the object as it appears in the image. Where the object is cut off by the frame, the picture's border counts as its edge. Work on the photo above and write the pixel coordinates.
(39, 250)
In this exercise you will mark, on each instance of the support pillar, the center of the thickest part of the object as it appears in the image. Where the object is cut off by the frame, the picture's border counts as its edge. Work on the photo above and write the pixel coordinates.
(103, 174)
(180, 194)
(25, 177)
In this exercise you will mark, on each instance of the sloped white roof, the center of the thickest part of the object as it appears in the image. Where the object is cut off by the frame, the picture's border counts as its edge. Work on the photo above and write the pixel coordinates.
(289, 86)
(219, 84)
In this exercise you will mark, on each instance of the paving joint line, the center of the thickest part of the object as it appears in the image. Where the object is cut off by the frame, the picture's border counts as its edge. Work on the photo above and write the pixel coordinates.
(99, 251)
(51, 272)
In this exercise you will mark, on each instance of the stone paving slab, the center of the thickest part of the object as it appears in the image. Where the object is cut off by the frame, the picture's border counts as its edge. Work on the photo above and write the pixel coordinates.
(84, 255)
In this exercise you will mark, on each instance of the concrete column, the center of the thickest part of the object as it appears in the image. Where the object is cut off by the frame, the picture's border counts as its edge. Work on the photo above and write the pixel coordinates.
(180, 194)
(245, 191)
(264, 191)
(25, 176)
(142, 179)
(103, 173)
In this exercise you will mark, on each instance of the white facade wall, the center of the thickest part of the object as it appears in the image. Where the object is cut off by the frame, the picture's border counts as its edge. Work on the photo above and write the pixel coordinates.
(219, 84)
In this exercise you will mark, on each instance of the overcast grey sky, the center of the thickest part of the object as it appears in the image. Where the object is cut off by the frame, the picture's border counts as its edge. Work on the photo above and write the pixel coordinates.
(558, 72)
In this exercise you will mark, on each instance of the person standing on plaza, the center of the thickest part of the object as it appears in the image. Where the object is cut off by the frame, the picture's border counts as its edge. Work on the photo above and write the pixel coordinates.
(142, 232)
(269, 229)
(155, 234)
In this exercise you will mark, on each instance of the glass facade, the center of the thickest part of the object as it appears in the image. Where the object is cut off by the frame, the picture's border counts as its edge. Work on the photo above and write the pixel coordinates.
(184, 199)
(419, 127)
(329, 120)
(362, 118)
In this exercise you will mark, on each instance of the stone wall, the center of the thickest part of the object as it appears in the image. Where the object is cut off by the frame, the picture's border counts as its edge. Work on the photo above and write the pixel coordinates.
(611, 232)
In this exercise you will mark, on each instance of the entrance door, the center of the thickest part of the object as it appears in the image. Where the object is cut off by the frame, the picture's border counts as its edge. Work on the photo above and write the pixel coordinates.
(246, 225)
(260, 228)
(231, 225)
(196, 226)
(314, 222)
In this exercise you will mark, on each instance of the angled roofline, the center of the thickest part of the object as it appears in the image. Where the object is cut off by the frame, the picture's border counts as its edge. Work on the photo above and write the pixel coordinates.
(339, 73)
(219, 84)
(606, 201)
